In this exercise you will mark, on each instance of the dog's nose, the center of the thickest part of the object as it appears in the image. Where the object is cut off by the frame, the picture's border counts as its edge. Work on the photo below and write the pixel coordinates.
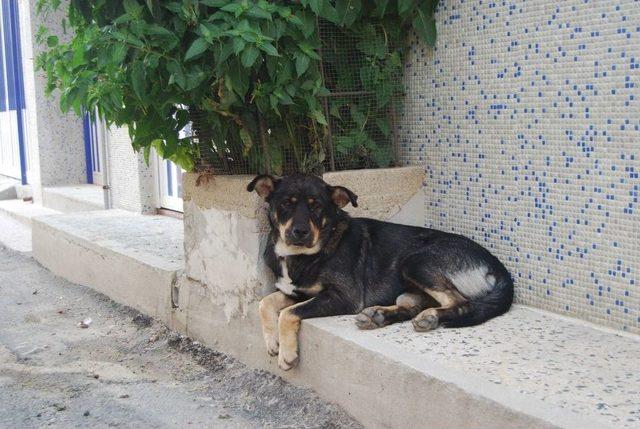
(300, 233)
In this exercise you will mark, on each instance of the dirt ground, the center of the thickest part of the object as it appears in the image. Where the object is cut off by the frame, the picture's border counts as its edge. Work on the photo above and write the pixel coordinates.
(124, 369)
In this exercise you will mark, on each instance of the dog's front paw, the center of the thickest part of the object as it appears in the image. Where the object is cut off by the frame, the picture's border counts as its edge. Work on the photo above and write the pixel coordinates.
(271, 341)
(287, 358)
(371, 318)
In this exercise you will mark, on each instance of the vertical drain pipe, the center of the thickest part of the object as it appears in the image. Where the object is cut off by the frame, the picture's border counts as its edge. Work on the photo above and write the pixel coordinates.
(103, 141)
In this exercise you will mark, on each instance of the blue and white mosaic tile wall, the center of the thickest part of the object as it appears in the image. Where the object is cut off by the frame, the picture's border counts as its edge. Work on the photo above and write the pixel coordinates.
(527, 118)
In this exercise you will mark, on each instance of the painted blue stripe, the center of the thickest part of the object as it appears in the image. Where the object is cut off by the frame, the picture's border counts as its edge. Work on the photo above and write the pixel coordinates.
(86, 125)
(18, 88)
(169, 179)
(17, 52)
(8, 49)
(3, 83)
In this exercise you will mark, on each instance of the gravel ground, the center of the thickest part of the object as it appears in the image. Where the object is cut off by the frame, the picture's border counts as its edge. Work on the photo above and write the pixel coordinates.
(125, 370)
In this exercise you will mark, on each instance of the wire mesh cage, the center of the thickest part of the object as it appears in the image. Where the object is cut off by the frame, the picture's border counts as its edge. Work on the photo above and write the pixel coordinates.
(362, 73)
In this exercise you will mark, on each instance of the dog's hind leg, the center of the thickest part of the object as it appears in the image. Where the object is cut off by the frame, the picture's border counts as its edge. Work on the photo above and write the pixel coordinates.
(453, 305)
(408, 305)
(269, 308)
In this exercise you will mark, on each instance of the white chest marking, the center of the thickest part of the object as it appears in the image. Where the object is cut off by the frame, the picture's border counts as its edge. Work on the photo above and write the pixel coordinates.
(284, 283)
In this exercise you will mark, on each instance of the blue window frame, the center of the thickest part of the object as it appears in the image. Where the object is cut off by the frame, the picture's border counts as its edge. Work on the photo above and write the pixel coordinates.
(3, 84)
(8, 22)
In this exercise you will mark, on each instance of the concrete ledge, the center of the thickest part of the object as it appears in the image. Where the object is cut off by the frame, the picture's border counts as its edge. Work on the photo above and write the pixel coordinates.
(23, 211)
(70, 199)
(512, 372)
(131, 258)
(8, 188)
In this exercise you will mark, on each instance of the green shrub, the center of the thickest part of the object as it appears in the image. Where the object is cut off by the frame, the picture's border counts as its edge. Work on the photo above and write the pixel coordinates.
(247, 74)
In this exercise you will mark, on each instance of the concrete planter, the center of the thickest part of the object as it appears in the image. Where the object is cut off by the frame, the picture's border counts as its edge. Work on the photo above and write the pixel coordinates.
(225, 227)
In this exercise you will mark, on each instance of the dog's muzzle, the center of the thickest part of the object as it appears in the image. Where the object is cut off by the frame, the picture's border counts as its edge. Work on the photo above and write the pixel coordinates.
(299, 235)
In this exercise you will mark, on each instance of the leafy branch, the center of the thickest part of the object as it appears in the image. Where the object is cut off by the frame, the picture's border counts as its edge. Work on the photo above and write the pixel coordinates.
(259, 81)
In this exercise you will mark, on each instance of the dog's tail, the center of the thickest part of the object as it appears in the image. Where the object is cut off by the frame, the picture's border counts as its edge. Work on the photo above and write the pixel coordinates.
(495, 302)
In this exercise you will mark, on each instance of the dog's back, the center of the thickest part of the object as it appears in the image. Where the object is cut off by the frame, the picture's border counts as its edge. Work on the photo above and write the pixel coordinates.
(396, 259)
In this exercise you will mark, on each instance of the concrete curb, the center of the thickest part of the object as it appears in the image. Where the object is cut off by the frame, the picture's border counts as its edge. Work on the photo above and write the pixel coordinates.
(143, 283)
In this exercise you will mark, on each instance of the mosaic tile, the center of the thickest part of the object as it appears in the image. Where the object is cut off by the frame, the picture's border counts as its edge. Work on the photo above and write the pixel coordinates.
(526, 118)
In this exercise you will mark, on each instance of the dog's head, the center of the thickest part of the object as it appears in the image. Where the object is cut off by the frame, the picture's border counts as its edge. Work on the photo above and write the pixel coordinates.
(302, 210)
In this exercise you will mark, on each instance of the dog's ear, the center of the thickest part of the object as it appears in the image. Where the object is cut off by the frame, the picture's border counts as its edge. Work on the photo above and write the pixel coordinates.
(342, 196)
(263, 184)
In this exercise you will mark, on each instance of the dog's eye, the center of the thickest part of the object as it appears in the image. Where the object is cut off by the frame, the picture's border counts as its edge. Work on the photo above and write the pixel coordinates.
(289, 202)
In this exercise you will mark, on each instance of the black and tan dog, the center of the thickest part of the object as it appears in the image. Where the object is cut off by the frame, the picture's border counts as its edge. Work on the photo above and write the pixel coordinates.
(328, 263)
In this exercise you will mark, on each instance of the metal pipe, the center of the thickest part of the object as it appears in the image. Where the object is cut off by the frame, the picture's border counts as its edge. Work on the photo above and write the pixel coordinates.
(103, 141)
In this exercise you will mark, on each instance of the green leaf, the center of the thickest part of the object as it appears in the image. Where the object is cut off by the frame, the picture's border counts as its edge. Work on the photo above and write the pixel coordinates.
(345, 144)
(431, 6)
(405, 7)
(384, 126)
(197, 47)
(238, 45)
(118, 53)
(247, 141)
(165, 38)
(309, 25)
(358, 116)
(328, 12)
(257, 12)
(177, 74)
(194, 79)
(52, 41)
(269, 49)
(316, 6)
(308, 50)
(235, 8)
(425, 26)
(318, 116)
(224, 51)
(237, 79)
(302, 63)
(215, 3)
(138, 81)
(348, 11)
(249, 56)
(283, 97)
(381, 7)
(295, 20)
(210, 31)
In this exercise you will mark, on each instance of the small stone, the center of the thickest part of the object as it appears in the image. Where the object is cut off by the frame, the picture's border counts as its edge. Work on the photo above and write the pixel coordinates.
(59, 407)
(84, 324)
(35, 292)
(224, 416)
(124, 396)
(96, 376)
(86, 413)
(142, 321)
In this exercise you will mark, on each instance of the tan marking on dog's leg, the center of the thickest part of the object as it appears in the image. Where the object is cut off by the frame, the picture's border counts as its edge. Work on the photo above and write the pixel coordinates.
(407, 306)
(451, 303)
(288, 328)
(375, 317)
(412, 301)
(269, 309)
